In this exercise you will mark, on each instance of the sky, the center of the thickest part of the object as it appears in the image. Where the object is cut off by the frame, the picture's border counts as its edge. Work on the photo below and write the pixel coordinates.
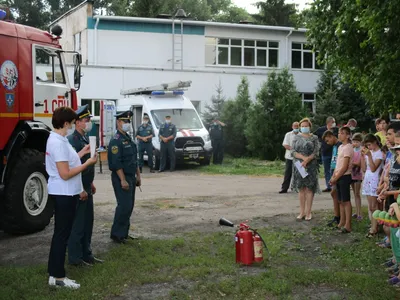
(247, 4)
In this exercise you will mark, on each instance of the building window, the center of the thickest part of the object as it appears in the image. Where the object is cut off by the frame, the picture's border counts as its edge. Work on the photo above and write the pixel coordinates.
(308, 100)
(241, 53)
(303, 57)
(77, 41)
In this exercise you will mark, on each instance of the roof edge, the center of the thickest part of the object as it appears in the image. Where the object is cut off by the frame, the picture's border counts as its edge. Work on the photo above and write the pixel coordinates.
(198, 23)
(71, 11)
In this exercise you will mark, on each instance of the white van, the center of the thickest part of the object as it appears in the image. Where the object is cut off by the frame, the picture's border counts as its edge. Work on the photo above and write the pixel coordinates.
(192, 142)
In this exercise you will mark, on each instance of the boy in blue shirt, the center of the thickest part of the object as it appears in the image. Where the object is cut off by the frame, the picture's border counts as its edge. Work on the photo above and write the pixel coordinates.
(330, 138)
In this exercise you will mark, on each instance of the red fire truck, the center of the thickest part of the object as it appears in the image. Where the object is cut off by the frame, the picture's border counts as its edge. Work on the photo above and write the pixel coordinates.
(33, 83)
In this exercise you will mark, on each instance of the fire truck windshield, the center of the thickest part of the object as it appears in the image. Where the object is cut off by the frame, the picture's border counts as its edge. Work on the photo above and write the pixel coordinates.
(182, 118)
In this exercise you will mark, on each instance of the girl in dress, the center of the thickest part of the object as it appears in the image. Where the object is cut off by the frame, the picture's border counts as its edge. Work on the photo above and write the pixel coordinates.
(356, 174)
(371, 164)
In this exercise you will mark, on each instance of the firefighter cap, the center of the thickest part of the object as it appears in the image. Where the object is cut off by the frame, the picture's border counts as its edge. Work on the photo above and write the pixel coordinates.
(125, 115)
(83, 112)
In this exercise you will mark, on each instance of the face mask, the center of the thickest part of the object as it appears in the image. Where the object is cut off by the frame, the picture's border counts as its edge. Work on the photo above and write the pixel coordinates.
(333, 124)
(88, 127)
(215, 123)
(352, 128)
(71, 129)
(357, 149)
(167, 121)
(296, 130)
(145, 122)
(126, 127)
(305, 129)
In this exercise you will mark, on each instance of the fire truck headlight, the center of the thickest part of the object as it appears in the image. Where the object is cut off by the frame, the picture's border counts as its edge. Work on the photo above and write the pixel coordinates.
(207, 138)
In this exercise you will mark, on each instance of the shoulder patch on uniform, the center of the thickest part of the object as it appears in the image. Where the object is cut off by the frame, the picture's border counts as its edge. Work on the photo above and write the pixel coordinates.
(114, 149)
(116, 136)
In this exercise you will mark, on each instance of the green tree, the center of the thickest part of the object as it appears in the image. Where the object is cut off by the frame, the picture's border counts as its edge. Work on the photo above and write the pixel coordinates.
(235, 117)
(336, 98)
(360, 39)
(32, 13)
(277, 106)
(233, 14)
(327, 101)
(276, 13)
(214, 111)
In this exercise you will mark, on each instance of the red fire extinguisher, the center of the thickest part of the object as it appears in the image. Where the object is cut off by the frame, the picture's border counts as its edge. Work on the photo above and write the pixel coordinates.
(258, 247)
(246, 244)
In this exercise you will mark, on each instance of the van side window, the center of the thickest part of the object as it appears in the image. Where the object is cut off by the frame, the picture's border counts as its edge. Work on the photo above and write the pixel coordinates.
(48, 66)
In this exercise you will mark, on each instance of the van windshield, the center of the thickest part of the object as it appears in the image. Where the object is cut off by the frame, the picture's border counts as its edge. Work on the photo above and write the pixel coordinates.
(181, 118)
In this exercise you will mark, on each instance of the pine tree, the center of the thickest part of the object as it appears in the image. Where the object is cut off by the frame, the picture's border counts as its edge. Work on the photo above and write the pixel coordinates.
(235, 117)
(277, 106)
(214, 110)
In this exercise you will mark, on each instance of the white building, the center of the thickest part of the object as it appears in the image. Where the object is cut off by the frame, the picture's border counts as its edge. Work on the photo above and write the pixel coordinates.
(128, 52)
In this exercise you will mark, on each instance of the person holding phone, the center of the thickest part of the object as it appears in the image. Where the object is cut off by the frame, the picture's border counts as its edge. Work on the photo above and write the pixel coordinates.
(371, 164)
(63, 164)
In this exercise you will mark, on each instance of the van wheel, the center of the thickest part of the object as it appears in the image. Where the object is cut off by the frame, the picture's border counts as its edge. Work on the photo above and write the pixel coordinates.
(156, 160)
(26, 208)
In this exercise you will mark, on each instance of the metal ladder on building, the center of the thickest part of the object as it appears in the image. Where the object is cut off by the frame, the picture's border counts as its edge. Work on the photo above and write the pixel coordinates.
(177, 45)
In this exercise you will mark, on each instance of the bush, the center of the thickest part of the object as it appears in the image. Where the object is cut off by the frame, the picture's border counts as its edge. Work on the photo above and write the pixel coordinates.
(277, 106)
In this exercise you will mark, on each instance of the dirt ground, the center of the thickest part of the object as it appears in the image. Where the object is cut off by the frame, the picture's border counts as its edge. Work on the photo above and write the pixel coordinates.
(169, 205)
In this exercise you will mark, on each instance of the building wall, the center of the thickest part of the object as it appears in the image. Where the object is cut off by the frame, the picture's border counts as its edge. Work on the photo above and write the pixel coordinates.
(74, 26)
(122, 55)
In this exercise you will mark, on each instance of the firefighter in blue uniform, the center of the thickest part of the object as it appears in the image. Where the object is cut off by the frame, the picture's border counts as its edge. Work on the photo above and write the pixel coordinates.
(79, 243)
(145, 134)
(125, 176)
(167, 136)
(217, 141)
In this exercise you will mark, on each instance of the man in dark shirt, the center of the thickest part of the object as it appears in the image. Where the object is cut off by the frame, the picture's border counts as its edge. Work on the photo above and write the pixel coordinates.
(326, 150)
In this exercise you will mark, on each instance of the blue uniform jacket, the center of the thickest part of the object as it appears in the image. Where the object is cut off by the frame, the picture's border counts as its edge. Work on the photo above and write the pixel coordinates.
(166, 130)
(145, 130)
(122, 154)
(78, 142)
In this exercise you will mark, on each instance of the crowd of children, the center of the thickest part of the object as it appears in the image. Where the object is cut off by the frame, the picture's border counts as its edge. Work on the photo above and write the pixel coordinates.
(369, 165)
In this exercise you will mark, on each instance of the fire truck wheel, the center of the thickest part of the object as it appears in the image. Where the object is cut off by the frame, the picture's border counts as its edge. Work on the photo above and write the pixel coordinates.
(26, 205)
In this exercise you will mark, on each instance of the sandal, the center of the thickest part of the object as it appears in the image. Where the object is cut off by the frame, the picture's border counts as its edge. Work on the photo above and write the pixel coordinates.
(385, 245)
(344, 230)
(300, 217)
(370, 235)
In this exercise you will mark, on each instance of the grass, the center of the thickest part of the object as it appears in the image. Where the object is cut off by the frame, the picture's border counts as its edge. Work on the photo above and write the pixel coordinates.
(305, 259)
(248, 166)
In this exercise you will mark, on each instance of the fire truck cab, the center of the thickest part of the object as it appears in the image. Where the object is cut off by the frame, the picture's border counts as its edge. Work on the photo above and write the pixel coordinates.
(33, 83)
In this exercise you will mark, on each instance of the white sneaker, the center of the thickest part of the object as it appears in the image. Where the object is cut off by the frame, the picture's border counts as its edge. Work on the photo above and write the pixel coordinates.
(69, 283)
(52, 280)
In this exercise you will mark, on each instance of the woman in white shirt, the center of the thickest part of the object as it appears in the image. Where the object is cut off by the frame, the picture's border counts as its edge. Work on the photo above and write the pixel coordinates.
(64, 167)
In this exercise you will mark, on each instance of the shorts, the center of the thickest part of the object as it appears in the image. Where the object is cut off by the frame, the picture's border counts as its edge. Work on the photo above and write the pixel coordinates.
(356, 181)
(389, 201)
(343, 188)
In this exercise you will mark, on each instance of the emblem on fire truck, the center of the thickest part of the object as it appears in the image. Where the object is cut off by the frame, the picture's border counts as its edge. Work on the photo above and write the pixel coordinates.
(9, 75)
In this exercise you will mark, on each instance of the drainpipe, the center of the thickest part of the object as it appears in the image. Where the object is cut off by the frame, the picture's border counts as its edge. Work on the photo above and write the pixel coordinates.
(95, 41)
(287, 46)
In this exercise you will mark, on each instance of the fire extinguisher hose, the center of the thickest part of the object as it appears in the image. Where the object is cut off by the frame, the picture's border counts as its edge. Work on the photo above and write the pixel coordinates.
(262, 240)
